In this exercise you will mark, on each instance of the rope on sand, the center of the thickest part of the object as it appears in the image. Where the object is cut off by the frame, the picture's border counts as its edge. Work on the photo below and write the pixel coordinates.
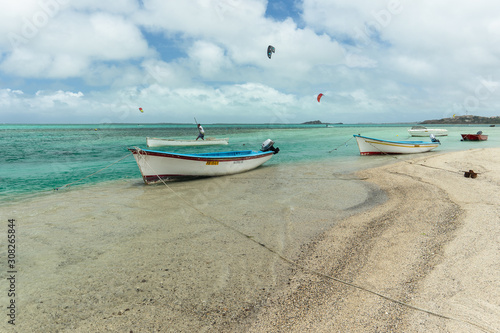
(79, 180)
(414, 163)
(308, 270)
(397, 159)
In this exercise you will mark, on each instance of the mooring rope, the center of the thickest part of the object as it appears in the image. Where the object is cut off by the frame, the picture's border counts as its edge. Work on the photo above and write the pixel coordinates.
(392, 156)
(308, 270)
(79, 180)
(413, 162)
(344, 144)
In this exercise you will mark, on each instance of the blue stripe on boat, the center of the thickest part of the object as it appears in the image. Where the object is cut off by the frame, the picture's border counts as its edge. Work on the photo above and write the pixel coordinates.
(391, 141)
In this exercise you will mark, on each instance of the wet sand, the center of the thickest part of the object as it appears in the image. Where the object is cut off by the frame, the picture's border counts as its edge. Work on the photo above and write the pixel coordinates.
(204, 255)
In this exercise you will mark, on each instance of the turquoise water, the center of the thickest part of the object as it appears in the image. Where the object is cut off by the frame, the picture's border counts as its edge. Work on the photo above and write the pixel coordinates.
(39, 158)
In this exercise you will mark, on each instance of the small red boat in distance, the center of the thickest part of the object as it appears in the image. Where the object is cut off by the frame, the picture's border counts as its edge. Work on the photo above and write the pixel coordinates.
(479, 136)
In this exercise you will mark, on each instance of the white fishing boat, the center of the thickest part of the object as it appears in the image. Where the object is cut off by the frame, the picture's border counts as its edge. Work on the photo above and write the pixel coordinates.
(424, 131)
(156, 165)
(371, 146)
(158, 142)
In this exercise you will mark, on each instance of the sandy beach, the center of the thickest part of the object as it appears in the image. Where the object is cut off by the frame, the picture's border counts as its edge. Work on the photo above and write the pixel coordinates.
(412, 246)
(433, 245)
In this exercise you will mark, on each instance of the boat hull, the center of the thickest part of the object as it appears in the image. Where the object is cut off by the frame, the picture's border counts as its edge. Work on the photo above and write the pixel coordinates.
(427, 132)
(371, 146)
(156, 165)
(474, 137)
(157, 142)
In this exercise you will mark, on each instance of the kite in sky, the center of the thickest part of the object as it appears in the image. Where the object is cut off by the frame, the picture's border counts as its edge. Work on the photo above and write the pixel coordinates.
(140, 109)
(319, 97)
(270, 50)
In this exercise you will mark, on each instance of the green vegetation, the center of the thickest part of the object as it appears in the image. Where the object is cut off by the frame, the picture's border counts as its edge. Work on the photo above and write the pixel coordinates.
(468, 119)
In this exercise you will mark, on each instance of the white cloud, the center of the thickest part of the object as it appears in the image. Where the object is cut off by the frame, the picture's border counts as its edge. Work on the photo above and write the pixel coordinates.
(49, 100)
(353, 19)
(208, 57)
(125, 7)
(241, 31)
(70, 43)
(414, 67)
(165, 74)
(10, 98)
(223, 19)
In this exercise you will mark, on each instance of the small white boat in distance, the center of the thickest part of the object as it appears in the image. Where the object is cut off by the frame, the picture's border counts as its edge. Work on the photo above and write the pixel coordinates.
(424, 131)
(371, 146)
(157, 165)
(157, 142)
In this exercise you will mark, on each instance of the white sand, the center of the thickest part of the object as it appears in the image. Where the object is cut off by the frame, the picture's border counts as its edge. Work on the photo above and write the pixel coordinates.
(127, 257)
(434, 244)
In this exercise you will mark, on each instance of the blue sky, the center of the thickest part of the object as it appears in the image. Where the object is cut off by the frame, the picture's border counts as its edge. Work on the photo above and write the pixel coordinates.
(92, 61)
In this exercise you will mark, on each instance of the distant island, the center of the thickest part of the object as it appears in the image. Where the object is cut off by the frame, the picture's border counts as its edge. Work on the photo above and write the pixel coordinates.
(318, 122)
(467, 119)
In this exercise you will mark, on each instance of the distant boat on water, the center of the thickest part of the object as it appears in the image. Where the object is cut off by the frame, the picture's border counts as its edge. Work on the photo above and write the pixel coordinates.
(371, 146)
(424, 131)
(157, 142)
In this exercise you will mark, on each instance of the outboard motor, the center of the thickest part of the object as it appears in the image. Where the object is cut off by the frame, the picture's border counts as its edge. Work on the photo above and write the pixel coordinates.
(433, 138)
(268, 145)
(480, 132)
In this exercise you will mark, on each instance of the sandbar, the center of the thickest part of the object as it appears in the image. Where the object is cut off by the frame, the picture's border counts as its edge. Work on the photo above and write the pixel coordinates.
(433, 246)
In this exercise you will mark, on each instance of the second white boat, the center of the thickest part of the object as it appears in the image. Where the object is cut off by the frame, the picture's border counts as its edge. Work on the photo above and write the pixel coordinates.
(157, 142)
(424, 131)
(371, 146)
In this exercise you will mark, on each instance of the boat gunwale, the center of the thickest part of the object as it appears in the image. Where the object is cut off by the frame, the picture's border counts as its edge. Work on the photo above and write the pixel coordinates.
(423, 128)
(210, 141)
(193, 140)
(421, 131)
(229, 156)
(399, 142)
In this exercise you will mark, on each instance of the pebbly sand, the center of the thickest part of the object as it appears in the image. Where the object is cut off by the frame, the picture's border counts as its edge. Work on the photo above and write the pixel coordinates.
(212, 255)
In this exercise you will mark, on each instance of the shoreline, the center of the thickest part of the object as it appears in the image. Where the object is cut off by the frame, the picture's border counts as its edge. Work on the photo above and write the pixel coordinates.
(198, 256)
(430, 253)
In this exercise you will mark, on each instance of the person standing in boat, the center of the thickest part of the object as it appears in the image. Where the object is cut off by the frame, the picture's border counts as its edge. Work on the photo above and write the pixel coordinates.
(202, 132)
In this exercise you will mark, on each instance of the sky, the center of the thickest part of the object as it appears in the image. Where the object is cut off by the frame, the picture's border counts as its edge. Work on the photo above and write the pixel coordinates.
(374, 61)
